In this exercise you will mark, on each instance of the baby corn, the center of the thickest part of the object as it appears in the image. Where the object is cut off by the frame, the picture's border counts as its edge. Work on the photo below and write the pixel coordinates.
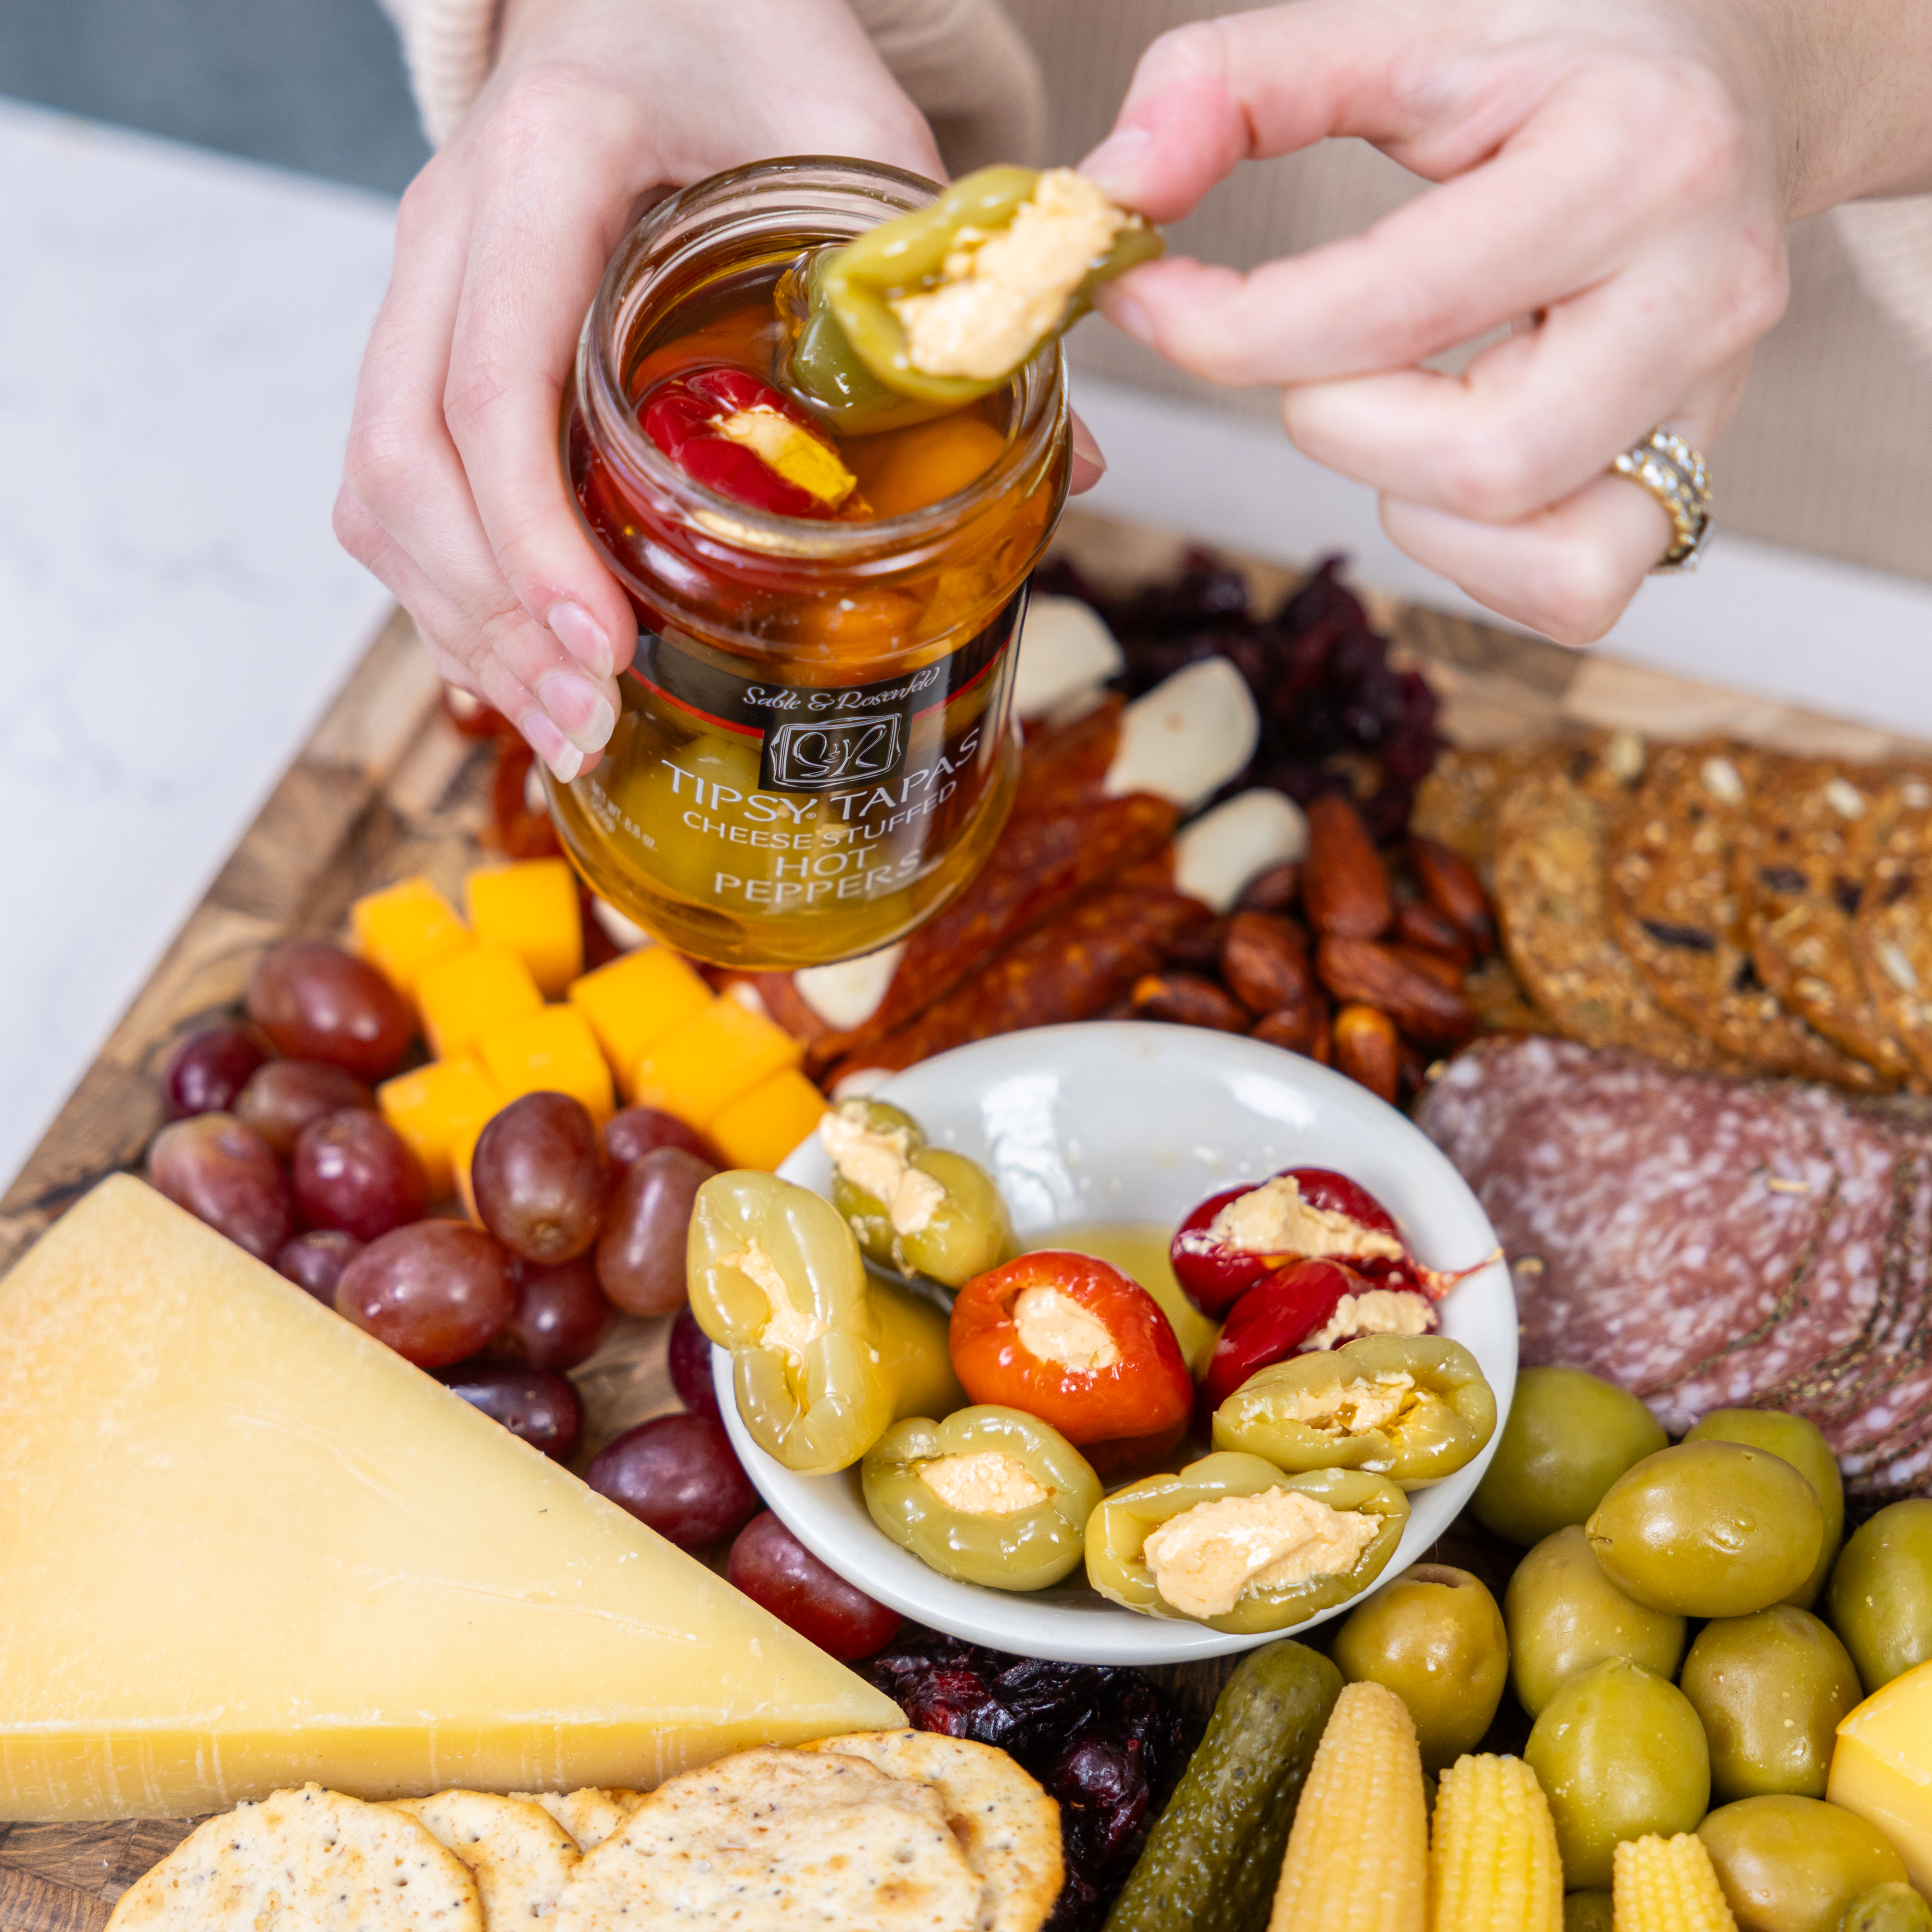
(1358, 1851)
(1668, 1885)
(1493, 1860)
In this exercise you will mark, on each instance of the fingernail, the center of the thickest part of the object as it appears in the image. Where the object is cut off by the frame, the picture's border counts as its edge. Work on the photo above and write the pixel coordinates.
(1113, 164)
(552, 746)
(583, 637)
(580, 710)
(1086, 449)
(1127, 316)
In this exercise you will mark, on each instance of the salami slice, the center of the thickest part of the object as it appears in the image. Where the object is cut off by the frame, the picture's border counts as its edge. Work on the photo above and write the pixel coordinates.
(1654, 1219)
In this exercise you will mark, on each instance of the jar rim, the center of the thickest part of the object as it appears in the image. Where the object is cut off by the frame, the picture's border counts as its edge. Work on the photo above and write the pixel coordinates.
(789, 185)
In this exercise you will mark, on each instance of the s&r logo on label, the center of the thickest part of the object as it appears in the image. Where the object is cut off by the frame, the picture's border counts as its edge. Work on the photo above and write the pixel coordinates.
(818, 757)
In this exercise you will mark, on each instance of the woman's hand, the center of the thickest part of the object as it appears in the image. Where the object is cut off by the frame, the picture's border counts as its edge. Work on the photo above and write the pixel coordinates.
(1616, 181)
(455, 495)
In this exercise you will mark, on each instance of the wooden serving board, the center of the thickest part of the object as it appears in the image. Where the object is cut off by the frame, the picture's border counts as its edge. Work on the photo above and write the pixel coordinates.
(386, 786)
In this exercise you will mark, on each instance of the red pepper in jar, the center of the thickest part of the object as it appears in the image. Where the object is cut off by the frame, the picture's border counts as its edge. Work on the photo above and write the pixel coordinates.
(734, 433)
(1073, 1341)
(1239, 1236)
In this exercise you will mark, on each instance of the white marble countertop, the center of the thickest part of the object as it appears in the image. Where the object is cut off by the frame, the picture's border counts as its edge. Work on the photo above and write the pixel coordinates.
(179, 334)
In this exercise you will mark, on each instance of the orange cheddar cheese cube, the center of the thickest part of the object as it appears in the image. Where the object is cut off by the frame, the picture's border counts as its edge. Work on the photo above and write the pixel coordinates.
(762, 1126)
(473, 993)
(532, 908)
(635, 1000)
(550, 1051)
(698, 1071)
(438, 1110)
(405, 927)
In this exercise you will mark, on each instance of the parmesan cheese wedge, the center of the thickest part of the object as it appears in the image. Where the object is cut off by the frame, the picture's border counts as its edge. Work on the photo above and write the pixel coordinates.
(244, 1547)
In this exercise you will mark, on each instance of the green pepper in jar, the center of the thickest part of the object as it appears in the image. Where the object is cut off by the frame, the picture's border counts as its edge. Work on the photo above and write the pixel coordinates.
(1233, 1543)
(922, 1210)
(1414, 1409)
(988, 1495)
(822, 1358)
(938, 306)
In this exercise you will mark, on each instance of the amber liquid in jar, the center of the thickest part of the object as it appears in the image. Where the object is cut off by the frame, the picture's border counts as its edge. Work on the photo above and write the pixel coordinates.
(815, 752)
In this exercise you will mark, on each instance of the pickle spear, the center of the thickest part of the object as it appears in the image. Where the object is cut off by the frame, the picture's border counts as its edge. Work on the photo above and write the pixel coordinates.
(1210, 1862)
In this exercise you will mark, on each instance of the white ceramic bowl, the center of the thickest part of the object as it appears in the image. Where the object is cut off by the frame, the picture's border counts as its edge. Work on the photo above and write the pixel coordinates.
(1128, 1121)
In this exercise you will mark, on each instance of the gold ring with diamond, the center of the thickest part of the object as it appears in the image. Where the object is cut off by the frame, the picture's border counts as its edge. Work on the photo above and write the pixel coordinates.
(1678, 478)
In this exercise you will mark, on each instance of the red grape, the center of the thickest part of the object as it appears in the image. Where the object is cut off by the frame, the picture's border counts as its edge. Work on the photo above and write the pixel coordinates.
(772, 1567)
(561, 1315)
(317, 1002)
(640, 1254)
(689, 1356)
(632, 1134)
(436, 1291)
(209, 1068)
(315, 1261)
(677, 1473)
(542, 1409)
(352, 1171)
(286, 1095)
(223, 1173)
(540, 1176)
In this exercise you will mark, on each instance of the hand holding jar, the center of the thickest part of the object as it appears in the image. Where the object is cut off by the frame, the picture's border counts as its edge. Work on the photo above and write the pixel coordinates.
(1614, 182)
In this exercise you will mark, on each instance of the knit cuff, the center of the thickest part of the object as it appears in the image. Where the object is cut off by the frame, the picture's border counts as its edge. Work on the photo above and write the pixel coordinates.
(1891, 244)
(448, 46)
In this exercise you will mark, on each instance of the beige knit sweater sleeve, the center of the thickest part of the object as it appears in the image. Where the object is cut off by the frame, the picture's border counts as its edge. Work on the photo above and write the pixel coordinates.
(962, 62)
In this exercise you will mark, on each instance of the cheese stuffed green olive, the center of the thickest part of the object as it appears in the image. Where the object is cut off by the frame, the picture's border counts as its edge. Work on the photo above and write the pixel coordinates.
(1232, 1543)
(823, 1358)
(1414, 1409)
(988, 1495)
(921, 1209)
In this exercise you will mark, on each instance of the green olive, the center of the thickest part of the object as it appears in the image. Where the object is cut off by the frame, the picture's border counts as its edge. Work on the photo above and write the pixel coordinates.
(1708, 1529)
(1619, 1753)
(1563, 1615)
(1771, 1688)
(1793, 1864)
(1880, 1600)
(1435, 1637)
(1890, 1907)
(1802, 1444)
(1568, 1438)
(1587, 1912)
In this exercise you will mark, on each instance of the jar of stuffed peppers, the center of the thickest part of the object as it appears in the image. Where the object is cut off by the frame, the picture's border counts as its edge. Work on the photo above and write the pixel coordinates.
(815, 752)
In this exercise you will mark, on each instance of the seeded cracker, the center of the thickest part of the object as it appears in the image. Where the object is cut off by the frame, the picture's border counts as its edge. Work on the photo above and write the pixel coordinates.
(519, 1856)
(311, 1859)
(1007, 1826)
(772, 1839)
(589, 1816)
(1804, 852)
(1891, 934)
(1552, 838)
(1675, 911)
(1458, 803)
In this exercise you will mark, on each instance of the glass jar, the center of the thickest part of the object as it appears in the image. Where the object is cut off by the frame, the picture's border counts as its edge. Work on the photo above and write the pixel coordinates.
(815, 751)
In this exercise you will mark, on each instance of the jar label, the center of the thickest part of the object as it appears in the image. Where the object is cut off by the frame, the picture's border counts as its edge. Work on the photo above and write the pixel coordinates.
(824, 737)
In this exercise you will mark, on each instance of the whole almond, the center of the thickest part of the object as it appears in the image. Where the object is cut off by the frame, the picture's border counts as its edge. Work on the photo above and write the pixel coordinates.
(1443, 971)
(1367, 1050)
(1264, 962)
(1358, 969)
(1297, 1028)
(1187, 999)
(1274, 890)
(1345, 887)
(1449, 884)
(1419, 924)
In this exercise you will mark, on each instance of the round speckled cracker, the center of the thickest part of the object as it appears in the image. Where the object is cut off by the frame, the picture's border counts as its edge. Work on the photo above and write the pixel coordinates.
(1458, 803)
(312, 1858)
(520, 1856)
(1552, 840)
(1804, 850)
(1676, 912)
(1892, 934)
(1007, 1826)
(589, 1815)
(771, 1837)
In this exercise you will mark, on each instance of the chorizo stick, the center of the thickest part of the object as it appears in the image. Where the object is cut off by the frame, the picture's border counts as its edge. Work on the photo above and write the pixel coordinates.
(1076, 965)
